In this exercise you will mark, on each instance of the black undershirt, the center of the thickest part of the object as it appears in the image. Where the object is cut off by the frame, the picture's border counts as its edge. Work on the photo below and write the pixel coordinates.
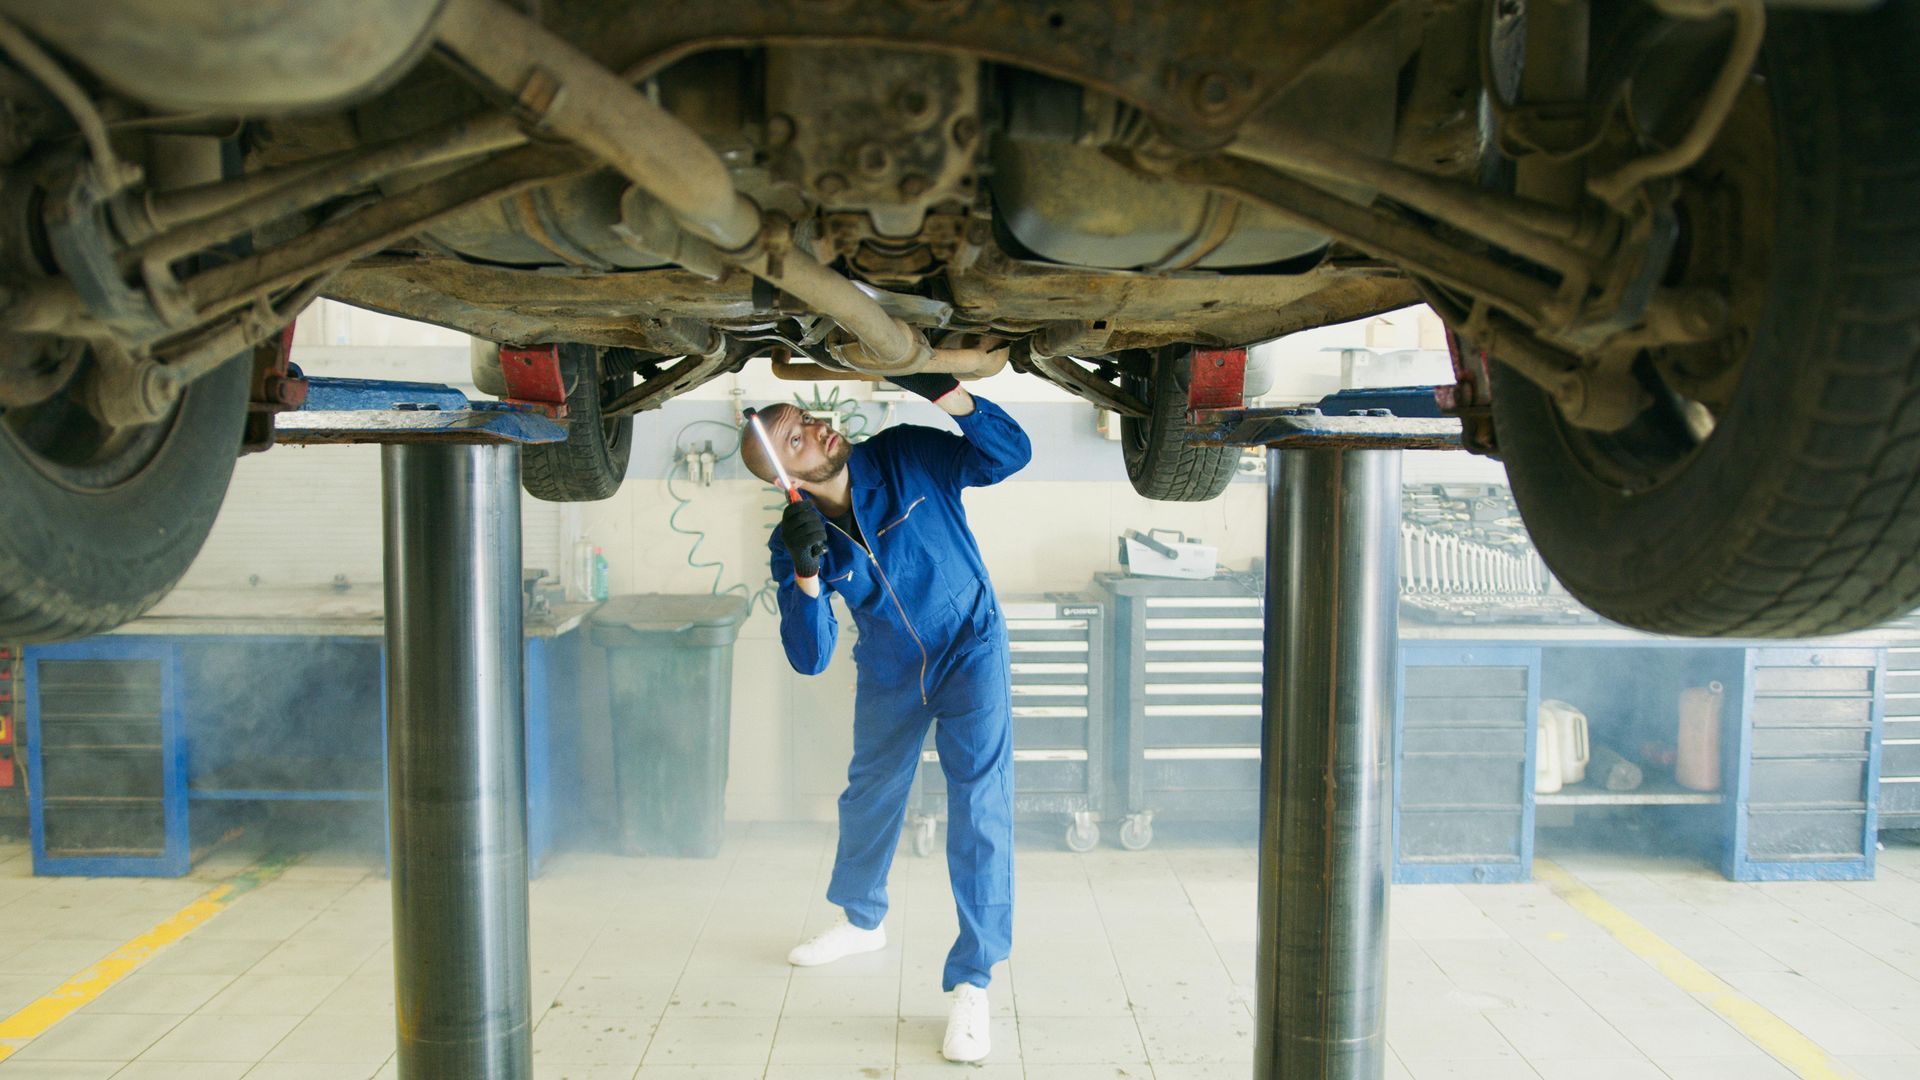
(849, 526)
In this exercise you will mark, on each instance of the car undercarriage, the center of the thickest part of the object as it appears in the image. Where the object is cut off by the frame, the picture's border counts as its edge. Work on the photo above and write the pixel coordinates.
(1598, 198)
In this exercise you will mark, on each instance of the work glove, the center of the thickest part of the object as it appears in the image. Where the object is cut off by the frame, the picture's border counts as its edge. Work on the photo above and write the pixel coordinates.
(805, 533)
(931, 385)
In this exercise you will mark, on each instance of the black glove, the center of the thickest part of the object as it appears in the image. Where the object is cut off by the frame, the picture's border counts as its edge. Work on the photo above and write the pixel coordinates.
(805, 534)
(931, 385)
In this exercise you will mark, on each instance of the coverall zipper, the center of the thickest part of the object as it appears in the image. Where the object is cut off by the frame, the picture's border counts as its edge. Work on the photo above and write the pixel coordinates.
(897, 606)
(901, 518)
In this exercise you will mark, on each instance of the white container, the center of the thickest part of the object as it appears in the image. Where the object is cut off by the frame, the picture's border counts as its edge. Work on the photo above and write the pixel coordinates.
(1546, 760)
(1562, 748)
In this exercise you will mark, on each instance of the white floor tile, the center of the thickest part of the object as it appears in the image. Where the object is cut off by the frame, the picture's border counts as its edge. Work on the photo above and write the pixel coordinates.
(699, 1040)
(337, 1040)
(99, 1037)
(853, 1042)
(1081, 1040)
(283, 995)
(209, 1037)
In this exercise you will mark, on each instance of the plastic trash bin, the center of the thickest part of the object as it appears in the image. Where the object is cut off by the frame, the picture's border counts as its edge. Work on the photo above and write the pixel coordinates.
(670, 687)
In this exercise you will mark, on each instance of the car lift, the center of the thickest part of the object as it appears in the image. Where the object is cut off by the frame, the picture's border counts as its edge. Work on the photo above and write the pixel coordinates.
(1331, 668)
(456, 732)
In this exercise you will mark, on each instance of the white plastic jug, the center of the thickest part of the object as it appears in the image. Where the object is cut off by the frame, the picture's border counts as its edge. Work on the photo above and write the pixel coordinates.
(1546, 759)
(1563, 730)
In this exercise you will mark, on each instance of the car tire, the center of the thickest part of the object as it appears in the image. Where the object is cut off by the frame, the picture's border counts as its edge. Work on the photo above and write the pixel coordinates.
(93, 538)
(1161, 463)
(591, 463)
(1799, 514)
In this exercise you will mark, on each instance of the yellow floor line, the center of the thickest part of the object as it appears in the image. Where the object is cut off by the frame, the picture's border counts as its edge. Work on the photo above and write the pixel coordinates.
(1777, 1037)
(34, 1019)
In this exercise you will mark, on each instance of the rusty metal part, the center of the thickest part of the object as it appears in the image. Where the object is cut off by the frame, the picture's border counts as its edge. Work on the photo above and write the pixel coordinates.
(533, 378)
(1552, 101)
(501, 304)
(376, 226)
(575, 97)
(1548, 235)
(964, 363)
(238, 56)
(1216, 379)
(1590, 396)
(469, 136)
(1071, 338)
(1197, 70)
(1617, 188)
(946, 241)
(122, 390)
(1066, 373)
(276, 388)
(687, 373)
(887, 124)
(1470, 397)
(125, 389)
(151, 212)
(188, 359)
(968, 363)
(1377, 233)
(785, 368)
(34, 60)
(34, 368)
(1076, 205)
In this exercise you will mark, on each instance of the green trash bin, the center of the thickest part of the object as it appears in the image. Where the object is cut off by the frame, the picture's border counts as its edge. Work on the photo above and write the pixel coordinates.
(670, 687)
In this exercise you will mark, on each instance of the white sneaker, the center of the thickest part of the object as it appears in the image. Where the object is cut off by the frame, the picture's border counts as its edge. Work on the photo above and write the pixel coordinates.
(837, 942)
(969, 1037)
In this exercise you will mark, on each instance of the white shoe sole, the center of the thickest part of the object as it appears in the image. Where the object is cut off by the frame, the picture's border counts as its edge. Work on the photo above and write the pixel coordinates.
(797, 960)
(965, 1057)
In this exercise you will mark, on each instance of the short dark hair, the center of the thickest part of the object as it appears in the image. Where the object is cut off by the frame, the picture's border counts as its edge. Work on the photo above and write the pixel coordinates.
(752, 454)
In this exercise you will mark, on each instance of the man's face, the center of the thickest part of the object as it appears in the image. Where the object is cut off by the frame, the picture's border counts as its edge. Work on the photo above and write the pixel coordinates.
(809, 449)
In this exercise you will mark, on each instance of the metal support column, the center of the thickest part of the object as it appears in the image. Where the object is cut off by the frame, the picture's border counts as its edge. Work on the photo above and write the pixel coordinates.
(1325, 782)
(456, 760)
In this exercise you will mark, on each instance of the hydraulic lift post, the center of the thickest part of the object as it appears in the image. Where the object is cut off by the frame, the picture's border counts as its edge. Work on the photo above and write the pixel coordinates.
(1326, 783)
(456, 760)
(456, 730)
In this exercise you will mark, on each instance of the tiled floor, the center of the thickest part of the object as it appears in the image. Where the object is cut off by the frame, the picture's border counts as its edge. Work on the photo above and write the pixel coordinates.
(1126, 965)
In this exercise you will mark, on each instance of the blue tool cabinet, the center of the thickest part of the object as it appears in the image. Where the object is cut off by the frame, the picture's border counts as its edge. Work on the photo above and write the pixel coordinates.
(1807, 768)
(1463, 763)
(1899, 797)
(144, 747)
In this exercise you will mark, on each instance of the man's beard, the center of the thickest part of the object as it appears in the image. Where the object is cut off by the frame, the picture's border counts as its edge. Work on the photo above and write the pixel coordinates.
(836, 460)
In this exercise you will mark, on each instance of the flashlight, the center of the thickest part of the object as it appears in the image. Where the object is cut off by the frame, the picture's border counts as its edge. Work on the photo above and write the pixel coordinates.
(760, 432)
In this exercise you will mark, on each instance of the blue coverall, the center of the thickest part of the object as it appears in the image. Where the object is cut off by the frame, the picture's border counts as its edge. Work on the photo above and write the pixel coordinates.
(932, 649)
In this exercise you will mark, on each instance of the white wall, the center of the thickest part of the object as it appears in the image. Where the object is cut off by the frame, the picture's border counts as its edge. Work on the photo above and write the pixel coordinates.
(301, 515)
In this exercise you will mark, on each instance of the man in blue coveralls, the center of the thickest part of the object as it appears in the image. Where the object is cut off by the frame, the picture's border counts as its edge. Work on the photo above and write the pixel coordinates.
(882, 526)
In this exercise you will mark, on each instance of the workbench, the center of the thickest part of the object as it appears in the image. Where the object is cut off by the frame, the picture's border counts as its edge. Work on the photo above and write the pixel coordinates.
(147, 743)
(1800, 746)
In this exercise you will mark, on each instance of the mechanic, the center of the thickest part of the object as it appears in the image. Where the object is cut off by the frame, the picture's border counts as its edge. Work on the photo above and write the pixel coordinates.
(881, 524)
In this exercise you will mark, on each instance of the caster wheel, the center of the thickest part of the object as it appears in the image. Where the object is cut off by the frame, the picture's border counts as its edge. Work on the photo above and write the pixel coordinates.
(1136, 833)
(923, 836)
(1082, 837)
